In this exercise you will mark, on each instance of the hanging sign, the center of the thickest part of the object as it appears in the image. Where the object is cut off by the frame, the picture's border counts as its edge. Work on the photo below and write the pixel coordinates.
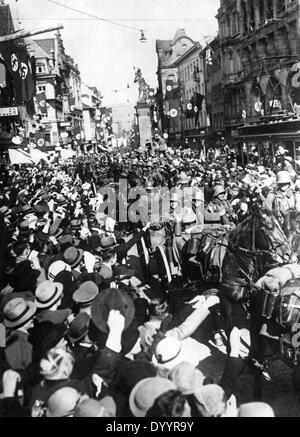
(258, 106)
(9, 112)
(173, 112)
(275, 104)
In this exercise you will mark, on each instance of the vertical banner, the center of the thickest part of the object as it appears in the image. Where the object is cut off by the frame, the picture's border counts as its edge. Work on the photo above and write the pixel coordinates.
(41, 103)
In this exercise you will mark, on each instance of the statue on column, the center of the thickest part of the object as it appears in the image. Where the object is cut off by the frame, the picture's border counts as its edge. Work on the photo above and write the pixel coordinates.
(143, 86)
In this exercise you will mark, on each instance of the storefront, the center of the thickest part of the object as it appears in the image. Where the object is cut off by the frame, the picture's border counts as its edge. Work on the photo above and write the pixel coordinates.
(262, 141)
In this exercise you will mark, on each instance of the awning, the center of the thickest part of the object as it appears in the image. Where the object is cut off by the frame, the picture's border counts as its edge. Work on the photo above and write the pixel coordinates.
(268, 136)
(279, 129)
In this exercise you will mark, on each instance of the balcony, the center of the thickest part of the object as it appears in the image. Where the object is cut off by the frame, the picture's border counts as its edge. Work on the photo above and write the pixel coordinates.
(233, 78)
(234, 120)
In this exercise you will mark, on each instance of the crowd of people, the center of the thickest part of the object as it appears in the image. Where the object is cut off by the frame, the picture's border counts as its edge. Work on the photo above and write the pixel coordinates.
(83, 335)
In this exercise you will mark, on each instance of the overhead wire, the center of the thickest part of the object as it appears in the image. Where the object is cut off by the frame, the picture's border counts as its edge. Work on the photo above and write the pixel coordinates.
(96, 17)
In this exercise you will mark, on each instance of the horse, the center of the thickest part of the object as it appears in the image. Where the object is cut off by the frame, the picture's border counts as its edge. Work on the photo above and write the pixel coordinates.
(256, 246)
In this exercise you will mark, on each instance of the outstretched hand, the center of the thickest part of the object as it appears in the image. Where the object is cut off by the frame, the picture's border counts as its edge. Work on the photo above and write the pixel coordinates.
(10, 380)
(115, 321)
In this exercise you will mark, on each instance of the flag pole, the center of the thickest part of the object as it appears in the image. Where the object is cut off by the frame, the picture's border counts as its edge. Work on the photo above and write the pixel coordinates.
(26, 33)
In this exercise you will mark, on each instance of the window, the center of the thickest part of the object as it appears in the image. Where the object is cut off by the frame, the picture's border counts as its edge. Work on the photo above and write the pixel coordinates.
(40, 69)
(41, 89)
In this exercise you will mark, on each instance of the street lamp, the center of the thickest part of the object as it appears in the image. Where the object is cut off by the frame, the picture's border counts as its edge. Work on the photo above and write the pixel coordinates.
(143, 39)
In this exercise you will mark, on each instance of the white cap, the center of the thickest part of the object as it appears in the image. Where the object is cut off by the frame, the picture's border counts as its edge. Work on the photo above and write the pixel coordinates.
(57, 267)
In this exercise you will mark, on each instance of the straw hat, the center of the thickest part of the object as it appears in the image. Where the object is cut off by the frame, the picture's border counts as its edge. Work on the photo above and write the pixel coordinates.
(17, 312)
(48, 293)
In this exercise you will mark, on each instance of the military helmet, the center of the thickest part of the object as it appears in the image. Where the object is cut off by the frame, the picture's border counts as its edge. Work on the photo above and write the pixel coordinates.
(218, 189)
(283, 177)
(174, 197)
(198, 195)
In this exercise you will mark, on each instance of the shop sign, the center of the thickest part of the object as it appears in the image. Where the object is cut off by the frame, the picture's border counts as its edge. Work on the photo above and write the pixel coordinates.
(9, 112)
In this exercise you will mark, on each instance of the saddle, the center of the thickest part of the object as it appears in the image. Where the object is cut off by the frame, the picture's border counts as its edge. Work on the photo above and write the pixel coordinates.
(284, 305)
(288, 313)
(208, 249)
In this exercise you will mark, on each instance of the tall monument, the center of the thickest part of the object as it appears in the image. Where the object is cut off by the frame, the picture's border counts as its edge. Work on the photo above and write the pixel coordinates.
(143, 109)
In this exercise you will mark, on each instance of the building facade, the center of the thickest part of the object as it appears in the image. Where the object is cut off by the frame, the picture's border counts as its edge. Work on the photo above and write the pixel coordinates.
(123, 117)
(58, 77)
(91, 102)
(168, 52)
(260, 58)
(192, 90)
(16, 102)
(214, 91)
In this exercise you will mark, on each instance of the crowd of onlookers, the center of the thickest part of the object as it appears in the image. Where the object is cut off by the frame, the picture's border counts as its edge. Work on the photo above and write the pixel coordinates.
(81, 334)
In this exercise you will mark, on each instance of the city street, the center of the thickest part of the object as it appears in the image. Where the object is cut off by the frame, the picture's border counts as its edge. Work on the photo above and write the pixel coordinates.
(149, 210)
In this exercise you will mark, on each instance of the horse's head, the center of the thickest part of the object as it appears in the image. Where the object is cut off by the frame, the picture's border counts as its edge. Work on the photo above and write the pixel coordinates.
(271, 237)
(261, 232)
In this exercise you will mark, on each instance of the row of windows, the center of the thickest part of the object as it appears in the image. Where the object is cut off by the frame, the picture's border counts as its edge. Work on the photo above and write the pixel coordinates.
(197, 89)
(230, 25)
(189, 123)
(190, 70)
(252, 16)
(218, 120)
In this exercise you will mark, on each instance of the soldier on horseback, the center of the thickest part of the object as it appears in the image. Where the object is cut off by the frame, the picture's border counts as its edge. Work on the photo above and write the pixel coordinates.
(219, 210)
(283, 201)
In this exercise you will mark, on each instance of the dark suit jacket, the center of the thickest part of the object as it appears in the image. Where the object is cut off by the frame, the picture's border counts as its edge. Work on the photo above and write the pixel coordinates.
(123, 249)
(18, 351)
(56, 317)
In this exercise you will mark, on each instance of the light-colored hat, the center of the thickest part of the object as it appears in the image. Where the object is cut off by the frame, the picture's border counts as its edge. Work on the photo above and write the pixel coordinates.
(184, 178)
(63, 402)
(145, 392)
(86, 186)
(189, 218)
(56, 267)
(86, 293)
(168, 353)
(198, 195)
(186, 377)
(17, 312)
(255, 409)
(218, 189)
(106, 407)
(283, 177)
(48, 293)
(73, 256)
(174, 197)
(210, 400)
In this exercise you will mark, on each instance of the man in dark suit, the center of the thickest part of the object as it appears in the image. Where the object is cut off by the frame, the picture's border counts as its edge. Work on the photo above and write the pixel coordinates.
(109, 257)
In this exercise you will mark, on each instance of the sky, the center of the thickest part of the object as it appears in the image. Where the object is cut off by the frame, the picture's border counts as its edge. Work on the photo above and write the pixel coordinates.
(107, 53)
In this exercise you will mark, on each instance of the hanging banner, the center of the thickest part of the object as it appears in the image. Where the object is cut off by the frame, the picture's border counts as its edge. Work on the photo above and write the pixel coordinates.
(41, 102)
(40, 140)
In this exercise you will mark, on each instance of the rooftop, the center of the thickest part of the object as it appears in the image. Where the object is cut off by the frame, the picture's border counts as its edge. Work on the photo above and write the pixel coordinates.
(46, 44)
